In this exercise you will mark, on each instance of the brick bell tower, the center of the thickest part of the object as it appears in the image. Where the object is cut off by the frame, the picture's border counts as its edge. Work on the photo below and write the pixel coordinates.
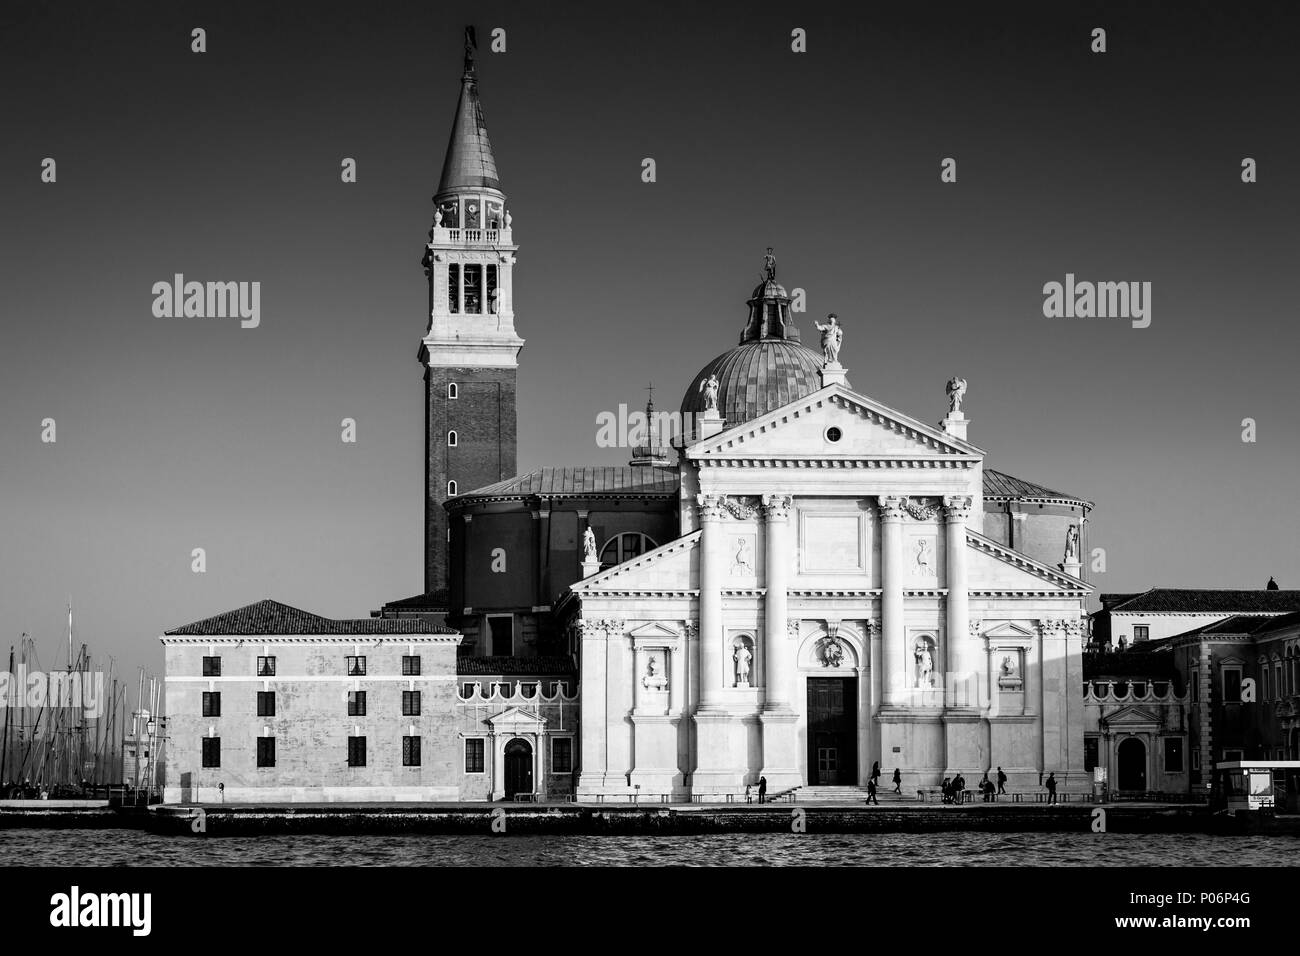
(470, 350)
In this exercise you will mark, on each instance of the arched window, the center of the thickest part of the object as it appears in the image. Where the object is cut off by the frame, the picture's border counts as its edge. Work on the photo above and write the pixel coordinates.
(451, 489)
(452, 390)
(624, 547)
(452, 438)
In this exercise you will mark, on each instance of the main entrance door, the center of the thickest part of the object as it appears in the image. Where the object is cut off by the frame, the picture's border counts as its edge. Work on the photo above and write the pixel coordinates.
(519, 768)
(1132, 758)
(832, 731)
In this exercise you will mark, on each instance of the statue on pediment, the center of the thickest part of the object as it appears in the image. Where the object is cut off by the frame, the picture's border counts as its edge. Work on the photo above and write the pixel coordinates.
(1072, 544)
(832, 338)
(956, 392)
(710, 389)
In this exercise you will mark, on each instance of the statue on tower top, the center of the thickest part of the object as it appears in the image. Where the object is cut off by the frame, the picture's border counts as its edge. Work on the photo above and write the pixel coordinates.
(471, 42)
(769, 265)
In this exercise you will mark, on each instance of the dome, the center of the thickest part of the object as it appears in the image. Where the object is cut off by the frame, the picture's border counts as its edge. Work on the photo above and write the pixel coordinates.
(756, 377)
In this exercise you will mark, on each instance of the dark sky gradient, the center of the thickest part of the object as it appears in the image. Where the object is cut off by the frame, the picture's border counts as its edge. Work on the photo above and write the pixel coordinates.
(183, 433)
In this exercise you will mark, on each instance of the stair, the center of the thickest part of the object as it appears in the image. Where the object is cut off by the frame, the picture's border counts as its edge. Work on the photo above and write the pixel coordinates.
(849, 795)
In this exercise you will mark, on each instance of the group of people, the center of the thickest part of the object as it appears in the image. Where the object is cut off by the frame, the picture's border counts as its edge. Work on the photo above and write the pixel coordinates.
(954, 788)
(873, 783)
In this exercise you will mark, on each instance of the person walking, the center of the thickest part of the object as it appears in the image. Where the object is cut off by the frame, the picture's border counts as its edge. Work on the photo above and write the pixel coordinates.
(1002, 781)
(762, 789)
(986, 787)
(875, 772)
(898, 781)
(1051, 788)
(871, 791)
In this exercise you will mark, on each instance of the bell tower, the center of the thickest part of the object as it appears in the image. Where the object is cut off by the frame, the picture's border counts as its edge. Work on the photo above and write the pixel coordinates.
(470, 350)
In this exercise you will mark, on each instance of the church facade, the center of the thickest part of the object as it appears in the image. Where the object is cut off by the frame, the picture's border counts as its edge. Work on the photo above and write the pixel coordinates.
(804, 583)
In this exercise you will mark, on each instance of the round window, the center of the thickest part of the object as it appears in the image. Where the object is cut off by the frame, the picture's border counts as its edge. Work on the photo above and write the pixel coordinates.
(833, 434)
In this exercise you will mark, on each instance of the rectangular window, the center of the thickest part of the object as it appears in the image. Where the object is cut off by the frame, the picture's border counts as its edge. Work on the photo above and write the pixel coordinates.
(467, 690)
(1141, 632)
(528, 688)
(1264, 683)
(212, 667)
(212, 751)
(356, 751)
(474, 755)
(1196, 760)
(1090, 751)
(356, 666)
(450, 214)
(211, 703)
(356, 703)
(266, 751)
(266, 667)
(453, 288)
(562, 755)
(1173, 755)
(1232, 685)
(1230, 755)
(410, 666)
(502, 628)
(410, 751)
(266, 703)
(1196, 687)
(410, 703)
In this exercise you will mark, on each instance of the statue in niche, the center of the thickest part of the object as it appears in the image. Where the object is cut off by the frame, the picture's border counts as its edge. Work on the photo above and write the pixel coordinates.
(956, 392)
(1008, 667)
(924, 666)
(742, 564)
(1072, 544)
(742, 657)
(710, 389)
(588, 545)
(1009, 676)
(653, 680)
(923, 555)
(832, 337)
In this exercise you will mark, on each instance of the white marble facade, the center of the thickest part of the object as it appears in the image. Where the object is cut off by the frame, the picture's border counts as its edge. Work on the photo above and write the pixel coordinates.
(830, 563)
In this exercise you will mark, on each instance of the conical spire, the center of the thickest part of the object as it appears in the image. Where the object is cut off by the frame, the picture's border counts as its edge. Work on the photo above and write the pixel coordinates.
(469, 163)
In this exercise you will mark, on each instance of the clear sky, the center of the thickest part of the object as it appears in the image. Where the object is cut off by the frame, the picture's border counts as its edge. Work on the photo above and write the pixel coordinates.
(174, 433)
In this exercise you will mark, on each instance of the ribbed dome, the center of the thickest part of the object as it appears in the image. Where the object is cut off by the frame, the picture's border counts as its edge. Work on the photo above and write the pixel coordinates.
(756, 377)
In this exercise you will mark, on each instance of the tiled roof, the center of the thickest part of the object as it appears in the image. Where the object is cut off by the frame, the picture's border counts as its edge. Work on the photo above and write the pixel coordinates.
(755, 378)
(998, 484)
(431, 601)
(552, 664)
(272, 618)
(582, 480)
(1207, 601)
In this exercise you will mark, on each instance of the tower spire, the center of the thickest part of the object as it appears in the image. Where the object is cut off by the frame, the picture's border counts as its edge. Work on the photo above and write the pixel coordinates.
(469, 163)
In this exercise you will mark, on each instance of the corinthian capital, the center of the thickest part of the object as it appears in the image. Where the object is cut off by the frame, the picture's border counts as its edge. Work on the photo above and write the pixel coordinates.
(777, 507)
(710, 507)
(891, 507)
(957, 507)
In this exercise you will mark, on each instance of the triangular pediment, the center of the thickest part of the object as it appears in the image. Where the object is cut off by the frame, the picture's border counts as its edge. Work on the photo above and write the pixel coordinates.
(515, 718)
(1009, 631)
(670, 567)
(654, 630)
(1132, 717)
(994, 567)
(868, 430)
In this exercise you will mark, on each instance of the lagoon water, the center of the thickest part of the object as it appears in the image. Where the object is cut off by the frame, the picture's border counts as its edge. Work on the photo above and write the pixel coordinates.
(33, 847)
